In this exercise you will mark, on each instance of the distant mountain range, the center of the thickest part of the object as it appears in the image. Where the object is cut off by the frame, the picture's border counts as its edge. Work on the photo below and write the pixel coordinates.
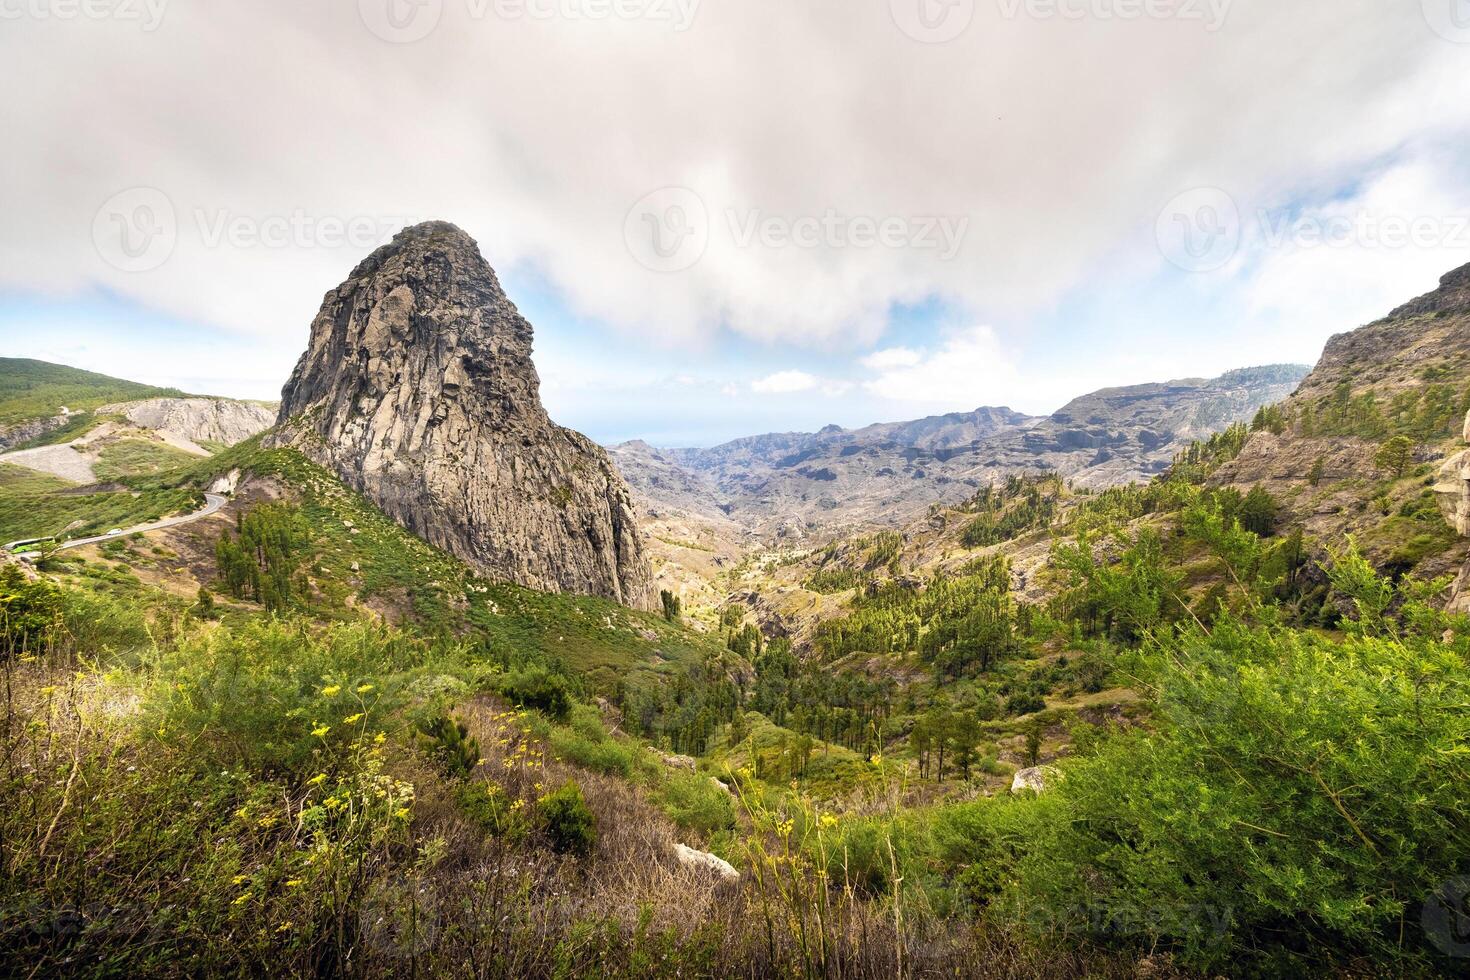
(791, 484)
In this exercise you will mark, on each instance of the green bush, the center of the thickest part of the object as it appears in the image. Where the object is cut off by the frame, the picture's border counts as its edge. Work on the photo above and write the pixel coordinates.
(448, 742)
(694, 802)
(567, 820)
(537, 687)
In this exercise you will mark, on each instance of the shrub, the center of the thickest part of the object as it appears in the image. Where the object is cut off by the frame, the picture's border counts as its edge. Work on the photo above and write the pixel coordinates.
(448, 742)
(567, 820)
(694, 802)
(536, 687)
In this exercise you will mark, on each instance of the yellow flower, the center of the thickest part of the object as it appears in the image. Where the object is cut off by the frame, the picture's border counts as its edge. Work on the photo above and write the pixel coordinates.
(518, 804)
(284, 927)
(266, 821)
(321, 730)
(162, 731)
(239, 880)
(402, 813)
(317, 780)
(332, 691)
(352, 719)
(380, 738)
(828, 821)
(242, 899)
(293, 883)
(364, 688)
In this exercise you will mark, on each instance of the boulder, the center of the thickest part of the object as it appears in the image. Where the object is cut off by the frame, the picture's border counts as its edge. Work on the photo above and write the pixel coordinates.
(706, 863)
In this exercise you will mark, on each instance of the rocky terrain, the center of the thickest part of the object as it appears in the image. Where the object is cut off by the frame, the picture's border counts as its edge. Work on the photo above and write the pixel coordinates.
(794, 485)
(192, 423)
(417, 388)
(1406, 376)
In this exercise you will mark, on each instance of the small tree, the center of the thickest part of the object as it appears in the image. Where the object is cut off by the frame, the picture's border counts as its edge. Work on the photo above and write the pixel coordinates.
(1315, 476)
(1257, 512)
(673, 607)
(1395, 455)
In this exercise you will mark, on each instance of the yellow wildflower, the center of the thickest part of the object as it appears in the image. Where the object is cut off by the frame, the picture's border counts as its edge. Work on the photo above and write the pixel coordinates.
(321, 730)
(284, 927)
(239, 880)
(828, 821)
(293, 882)
(364, 688)
(242, 899)
(317, 780)
(380, 738)
(332, 691)
(402, 813)
(352, 719)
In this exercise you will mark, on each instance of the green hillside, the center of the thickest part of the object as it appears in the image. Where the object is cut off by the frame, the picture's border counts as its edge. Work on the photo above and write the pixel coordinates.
(32, 389)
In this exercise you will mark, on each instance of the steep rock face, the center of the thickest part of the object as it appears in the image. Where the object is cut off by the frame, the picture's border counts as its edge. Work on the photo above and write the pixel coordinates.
(199, 420)
(1405, 374)
(418, 389)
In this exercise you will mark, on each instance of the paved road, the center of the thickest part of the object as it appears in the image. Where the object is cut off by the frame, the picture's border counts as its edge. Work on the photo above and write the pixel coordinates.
(214, 502)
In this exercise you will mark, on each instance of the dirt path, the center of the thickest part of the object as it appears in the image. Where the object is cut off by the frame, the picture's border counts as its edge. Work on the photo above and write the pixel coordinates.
(63, 461)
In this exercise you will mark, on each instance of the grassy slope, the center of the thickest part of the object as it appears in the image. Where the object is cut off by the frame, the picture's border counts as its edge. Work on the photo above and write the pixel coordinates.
(138, 457)
(360, 556)
(34, 505)
(37, 389)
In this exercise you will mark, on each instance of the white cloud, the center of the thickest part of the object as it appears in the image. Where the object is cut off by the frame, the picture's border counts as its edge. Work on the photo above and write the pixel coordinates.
(891, 357)
(971, 368)
(785, 383)
(765, 105)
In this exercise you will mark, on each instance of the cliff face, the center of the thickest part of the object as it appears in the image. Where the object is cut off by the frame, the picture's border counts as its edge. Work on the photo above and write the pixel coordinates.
(199, 420)
(418, 389)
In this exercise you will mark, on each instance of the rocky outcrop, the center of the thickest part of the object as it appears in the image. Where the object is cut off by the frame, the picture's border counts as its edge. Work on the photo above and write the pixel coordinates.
(23, 432)
(1030, 780)
(197, 420)
(417, 388)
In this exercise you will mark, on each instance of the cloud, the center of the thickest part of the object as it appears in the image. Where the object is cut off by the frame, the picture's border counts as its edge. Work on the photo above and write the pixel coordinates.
(971, 368)
(785, 383)
(788, 111)
(892, 357)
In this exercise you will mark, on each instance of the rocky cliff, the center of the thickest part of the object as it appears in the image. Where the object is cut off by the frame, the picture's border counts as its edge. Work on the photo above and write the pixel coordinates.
(222, 421)
(1405, 376)
(417, 388)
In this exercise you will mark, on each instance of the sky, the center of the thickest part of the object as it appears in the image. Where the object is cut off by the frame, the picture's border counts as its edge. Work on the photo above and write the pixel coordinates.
(726, 217)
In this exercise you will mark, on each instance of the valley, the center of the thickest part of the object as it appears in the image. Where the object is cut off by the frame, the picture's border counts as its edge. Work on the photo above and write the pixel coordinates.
(1134, 689)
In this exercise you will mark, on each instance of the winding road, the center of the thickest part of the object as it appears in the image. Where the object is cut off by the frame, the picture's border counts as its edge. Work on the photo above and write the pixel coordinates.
(213, 502)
